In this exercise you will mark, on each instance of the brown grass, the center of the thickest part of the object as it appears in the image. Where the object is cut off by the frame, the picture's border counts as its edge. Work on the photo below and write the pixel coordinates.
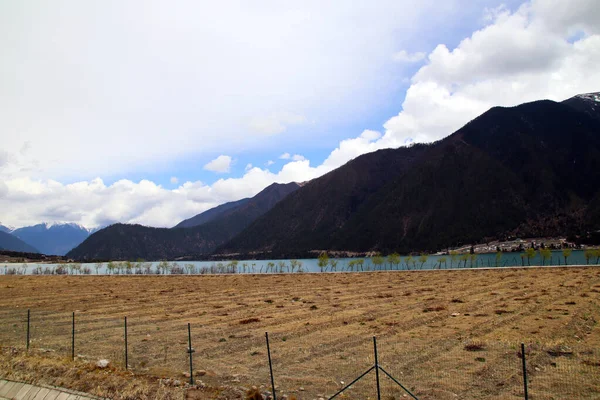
(322, 335)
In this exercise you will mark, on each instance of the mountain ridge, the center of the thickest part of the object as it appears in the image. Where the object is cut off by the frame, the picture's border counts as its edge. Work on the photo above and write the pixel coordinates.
(543, 154)
(211, 214)
(123, 241)
(53, 238)
(13, 243)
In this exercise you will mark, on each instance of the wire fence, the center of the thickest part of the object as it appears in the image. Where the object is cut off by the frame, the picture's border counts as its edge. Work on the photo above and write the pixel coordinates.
(308, 365)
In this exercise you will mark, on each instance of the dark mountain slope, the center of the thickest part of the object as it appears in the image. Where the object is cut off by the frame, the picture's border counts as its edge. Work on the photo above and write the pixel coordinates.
(588, 103)
(13, 243)
(211, 214)
(553, 148)
(528, 170)
(438, 203)
(531, 170)
(130, 242)
(312, 214)
(53, 239)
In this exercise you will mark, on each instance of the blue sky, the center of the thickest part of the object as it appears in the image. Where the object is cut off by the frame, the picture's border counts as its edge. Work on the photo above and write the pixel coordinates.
(150, 112)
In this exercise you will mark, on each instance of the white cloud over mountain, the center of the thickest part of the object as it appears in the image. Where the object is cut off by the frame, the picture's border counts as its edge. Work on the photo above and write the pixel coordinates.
(544, 49)
(221, 164)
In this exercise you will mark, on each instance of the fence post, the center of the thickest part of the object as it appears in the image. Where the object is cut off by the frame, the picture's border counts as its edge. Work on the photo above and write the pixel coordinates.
(190, 351)
(270, 366)
(524, 370)
(126, 352)
(73, 339)
(28, 321)
(376, 368)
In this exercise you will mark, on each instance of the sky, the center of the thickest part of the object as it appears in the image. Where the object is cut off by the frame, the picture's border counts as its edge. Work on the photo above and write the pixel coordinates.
(153, 111)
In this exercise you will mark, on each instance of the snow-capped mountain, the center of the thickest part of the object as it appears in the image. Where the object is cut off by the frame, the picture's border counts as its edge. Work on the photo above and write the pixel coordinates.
(53, 238)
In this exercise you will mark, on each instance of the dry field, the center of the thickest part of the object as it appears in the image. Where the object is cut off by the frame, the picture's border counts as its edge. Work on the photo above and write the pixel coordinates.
(442, 334)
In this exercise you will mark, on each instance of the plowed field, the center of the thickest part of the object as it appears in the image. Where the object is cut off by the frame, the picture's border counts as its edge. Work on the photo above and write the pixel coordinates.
(442, 334)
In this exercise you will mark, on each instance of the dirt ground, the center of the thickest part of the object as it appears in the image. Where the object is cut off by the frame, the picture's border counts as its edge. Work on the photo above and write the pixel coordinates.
(442, 334)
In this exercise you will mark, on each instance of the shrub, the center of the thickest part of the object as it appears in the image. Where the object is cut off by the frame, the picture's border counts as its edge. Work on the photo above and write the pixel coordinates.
(475, 347)
(436, 308)
(249, 321)
(254, 394)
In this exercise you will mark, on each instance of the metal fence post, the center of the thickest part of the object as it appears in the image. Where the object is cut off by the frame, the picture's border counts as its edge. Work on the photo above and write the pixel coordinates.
(126, 353)
(270, 366)
(190, 351)
(376, 368)
(524, 370)
(73, 339)
(28, 321)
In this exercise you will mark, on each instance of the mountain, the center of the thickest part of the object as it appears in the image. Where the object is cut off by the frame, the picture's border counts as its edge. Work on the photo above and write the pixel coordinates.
(211, 214)
(312, 214)
(529, 170)
(5, 229)
(131, 242)
(13, 243)
(588, 103)
(56, 239)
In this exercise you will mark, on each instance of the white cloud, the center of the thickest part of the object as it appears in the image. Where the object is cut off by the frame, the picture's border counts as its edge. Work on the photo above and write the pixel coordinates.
(4, 158)
(295, 157)
(151, 86)
(275, 123)
(174, 180)
(269, 163)
(404, 57)
(93, 203)
(221, 164)
(248, 167)
(25, 148)
(3, 189)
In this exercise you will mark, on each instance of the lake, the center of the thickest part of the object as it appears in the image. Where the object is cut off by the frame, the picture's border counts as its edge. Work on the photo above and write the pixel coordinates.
(485, 260)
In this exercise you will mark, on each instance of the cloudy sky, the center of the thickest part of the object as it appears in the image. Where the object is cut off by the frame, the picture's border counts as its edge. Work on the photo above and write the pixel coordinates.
(153, 111)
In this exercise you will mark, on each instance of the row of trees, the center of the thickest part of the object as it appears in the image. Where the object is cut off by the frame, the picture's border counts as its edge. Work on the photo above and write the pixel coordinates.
(376, 263)
(379, 262)
(174, 268)
(458, 260)
(546, 254)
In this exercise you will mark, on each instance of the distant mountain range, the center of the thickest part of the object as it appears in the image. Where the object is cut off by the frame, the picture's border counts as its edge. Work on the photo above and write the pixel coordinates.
(525, 171)
(5, 229)
(53, 239)
(196, 236)
(13, 243)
